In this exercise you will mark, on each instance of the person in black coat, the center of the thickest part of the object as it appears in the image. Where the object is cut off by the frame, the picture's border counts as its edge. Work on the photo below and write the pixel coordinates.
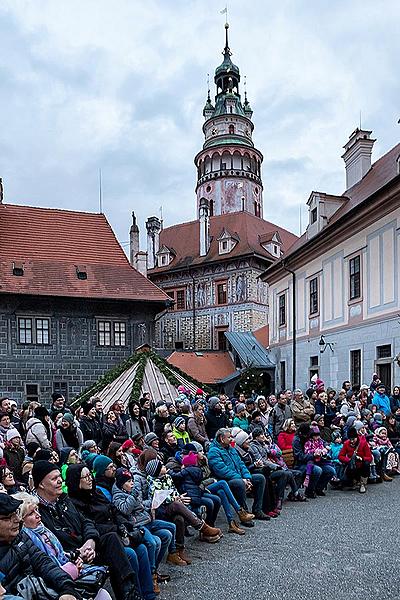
(19, 557)
(215, 417)
(89, 425)
(77, 532)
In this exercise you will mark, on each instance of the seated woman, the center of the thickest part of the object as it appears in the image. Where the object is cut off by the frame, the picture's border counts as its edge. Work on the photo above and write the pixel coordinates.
(8, 481)
(285, 441)
(47, 542)
(390, 458)
(94, 505)
(356, 457)
(159, 536)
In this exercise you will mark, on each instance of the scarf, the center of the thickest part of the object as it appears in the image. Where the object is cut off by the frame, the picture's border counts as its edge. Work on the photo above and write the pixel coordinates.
(47, 542)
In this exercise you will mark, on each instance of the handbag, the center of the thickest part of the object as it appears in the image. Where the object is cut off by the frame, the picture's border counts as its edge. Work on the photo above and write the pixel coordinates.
(34, 588)
(89, 583)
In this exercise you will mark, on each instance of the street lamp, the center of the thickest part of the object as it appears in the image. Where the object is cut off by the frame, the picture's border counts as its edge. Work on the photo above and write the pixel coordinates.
(323, 345)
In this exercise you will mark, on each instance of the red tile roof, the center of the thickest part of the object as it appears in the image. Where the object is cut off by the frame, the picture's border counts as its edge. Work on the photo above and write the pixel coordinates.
(51, 243)
(208, 367)
(184, 239)
(262, 335)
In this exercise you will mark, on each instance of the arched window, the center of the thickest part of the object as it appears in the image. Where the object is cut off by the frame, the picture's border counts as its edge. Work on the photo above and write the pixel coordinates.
(231, 129)
(211, 205)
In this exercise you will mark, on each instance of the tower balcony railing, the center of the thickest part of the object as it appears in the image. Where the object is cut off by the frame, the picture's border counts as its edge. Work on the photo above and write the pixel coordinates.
(240, 173)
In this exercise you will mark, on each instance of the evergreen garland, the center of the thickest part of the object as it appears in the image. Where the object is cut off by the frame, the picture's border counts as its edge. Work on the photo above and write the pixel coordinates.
(139, 357)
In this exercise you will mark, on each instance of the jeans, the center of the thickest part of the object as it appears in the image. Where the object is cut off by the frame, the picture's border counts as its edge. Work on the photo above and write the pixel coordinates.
(319, 477)
(228, 500)
(166, 532)
(212, 504)
(153, 545)
(139, 560)
(239, 491)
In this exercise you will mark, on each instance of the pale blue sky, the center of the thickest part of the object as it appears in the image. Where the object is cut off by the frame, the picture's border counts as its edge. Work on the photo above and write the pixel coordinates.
(121, 85)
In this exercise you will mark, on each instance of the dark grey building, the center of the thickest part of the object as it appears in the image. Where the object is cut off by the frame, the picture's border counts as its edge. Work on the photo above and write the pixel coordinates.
(71, 306)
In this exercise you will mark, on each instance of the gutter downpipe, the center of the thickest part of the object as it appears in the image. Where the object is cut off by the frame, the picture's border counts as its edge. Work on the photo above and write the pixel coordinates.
(294, 338)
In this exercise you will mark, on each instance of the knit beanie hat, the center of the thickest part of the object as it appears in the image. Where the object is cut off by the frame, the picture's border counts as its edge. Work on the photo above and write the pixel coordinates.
(89, 458)
(198, 447)
(315, 430)
(42, 454)
(187, 448)
(190, 460)
(40, 469)
(88, 444)
(257, 431)
(127, 444)
(179, 421)
(378, 417)
(41, 411)
(69, 417)
(86, 406)
(240, 436)
(336, 435)
(318, 417)
(213, 401)
(153, 467)
(101, 463)
(358, 425)
(122, 475)
(64, 454)
(12, 433)
(380, 430)
(150, 437)
(240, 407)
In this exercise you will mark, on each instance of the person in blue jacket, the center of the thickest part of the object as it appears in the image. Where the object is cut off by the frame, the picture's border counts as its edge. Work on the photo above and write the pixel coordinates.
(381, 400)
(225, 462)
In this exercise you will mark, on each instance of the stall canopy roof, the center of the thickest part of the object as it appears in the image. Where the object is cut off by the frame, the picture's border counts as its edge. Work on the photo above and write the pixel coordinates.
(251, 353)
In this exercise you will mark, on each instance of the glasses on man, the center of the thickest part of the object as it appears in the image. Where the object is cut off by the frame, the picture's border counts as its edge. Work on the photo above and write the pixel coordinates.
(111, 467)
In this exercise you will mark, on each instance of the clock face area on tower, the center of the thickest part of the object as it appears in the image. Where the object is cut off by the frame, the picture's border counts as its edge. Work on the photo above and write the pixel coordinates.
(229, 165)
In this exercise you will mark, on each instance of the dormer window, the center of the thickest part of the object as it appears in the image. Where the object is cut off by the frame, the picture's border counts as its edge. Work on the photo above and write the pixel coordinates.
(164, 260)
(272, 243)
(164, 256)
(81, 272)
(226, 242)
(18, 269)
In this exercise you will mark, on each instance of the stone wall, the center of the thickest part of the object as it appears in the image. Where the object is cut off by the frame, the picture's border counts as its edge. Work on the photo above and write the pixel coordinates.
(73, 355)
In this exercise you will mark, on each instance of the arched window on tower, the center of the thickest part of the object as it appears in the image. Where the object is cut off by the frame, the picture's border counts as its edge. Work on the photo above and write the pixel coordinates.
(231, 129)
(211, 206)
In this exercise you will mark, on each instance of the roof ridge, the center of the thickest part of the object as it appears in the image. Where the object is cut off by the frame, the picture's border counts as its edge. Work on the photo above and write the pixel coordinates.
(53, 209)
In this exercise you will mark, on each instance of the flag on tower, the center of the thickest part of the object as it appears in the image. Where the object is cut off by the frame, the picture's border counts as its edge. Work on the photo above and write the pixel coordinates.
(224, 11)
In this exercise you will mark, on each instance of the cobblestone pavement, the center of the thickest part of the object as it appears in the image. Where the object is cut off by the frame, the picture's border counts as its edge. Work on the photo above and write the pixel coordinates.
(344, 546)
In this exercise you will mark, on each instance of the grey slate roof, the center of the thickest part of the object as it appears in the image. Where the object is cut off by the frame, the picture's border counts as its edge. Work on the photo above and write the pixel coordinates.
(250, 351)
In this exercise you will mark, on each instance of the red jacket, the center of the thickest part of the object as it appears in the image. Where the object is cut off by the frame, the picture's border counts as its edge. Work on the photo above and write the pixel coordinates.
(363, 451)
(285, 440)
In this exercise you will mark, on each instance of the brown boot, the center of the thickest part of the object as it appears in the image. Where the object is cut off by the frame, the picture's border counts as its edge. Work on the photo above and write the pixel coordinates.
(174, 558)
(184, 556)
(245, 516)
(210, 532)
(386, 477)
(234, 528)
(156, 587)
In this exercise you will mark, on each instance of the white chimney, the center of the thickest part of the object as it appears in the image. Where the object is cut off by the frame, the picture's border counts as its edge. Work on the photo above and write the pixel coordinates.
(357, 156)
(204, 220)
(133, 241)
(141, 263)
(153, 226)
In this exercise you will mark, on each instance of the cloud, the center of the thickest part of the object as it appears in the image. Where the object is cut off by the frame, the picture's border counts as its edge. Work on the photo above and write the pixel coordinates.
(121, 87)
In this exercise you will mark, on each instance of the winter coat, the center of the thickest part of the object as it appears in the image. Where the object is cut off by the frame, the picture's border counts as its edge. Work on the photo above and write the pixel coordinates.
(137, 427)
(242, 423)
(68, 525)
(278, 416)
(182, 437)
(130, 506)
(394, 403)
(300, 456)
(37, 432)
(141, 487)
(362, 450)
(214, 421)
(91, 430)
(302, 410)
(382, 402)
(285, 440)
(159, 423)
(197, 430)
(62, 443)
(99, 509)
(15, 459)
(226, 463)
(22, 557)
(190, 479)
(168, 451)
(335, 451)
(320, 407)
(260, 451)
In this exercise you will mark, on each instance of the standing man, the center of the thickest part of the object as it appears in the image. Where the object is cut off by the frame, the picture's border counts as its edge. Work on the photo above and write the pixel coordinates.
(279, 414)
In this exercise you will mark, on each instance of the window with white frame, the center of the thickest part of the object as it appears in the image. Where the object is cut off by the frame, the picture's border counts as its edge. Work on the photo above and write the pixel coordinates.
(33, 330)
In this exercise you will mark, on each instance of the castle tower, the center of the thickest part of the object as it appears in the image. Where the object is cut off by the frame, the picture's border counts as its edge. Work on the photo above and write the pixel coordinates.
(229, 166)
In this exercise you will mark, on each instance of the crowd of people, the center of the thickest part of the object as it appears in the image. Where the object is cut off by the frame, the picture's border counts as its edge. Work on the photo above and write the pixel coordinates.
(86, 496)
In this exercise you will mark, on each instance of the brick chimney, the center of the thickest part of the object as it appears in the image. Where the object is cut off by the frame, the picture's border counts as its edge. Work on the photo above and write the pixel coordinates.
(133, 241)
(204, 220)
(357, 156)
(153, 227)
